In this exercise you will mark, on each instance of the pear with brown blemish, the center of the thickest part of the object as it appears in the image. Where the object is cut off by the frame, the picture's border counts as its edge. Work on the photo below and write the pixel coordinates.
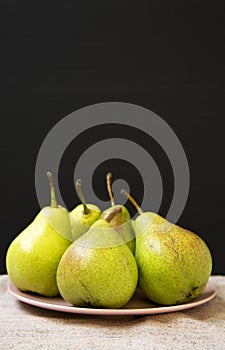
(174, 264)
(98, 269)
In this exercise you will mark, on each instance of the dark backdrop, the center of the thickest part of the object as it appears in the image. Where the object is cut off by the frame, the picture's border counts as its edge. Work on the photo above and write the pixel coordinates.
(167, 56)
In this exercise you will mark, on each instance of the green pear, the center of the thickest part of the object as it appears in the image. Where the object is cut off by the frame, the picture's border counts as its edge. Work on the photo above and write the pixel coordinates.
(83, 215)
(174, 264)
(33, 256)
(98, 269)
(122, 221)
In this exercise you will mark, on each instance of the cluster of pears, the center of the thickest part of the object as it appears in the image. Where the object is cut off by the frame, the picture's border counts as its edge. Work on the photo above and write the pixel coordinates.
(94, 258)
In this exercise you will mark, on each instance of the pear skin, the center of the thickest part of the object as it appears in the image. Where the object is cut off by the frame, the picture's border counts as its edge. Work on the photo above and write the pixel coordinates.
(122, 221)
(146, 220)
(174, 266)
(83, 215)
(33, 256)
(81, 222)
(98, 269)
(123, 225)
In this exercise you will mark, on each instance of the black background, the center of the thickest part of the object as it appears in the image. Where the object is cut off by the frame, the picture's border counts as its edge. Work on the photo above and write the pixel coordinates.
(167, 56)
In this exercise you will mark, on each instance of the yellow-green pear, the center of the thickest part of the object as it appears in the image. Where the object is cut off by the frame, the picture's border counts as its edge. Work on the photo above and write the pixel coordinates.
(33, 256)
(83, 215)
(98, 269)
(174, 264)
(122, 221)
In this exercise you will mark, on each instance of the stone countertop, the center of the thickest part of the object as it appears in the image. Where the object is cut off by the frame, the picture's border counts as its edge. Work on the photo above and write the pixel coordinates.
(24, 327)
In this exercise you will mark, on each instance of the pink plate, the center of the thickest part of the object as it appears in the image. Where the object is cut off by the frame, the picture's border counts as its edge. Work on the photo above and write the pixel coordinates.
(138, 305)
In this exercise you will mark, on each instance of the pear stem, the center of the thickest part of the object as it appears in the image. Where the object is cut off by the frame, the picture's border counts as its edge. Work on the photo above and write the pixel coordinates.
(81, 196)
(132, 200)
(52, 190)
(109, 188)
(113, 213)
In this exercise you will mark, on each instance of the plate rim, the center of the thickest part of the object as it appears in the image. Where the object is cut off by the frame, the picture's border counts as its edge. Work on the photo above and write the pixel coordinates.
(33, 300)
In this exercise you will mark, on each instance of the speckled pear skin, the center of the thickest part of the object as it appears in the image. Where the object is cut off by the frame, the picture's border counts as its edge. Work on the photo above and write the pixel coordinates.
(145, 222)
(80, 222)
(98, 269)
(174, 266)
(33, 256)
(123, 225)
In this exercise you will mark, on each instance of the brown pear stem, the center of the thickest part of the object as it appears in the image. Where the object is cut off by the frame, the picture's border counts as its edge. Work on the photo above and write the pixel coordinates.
(81, 196)
(52, 190)
(113, 213)
(132, 200)
(109, 188)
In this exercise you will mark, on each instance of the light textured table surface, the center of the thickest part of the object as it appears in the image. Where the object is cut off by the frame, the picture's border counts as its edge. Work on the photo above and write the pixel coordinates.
(24, 327)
